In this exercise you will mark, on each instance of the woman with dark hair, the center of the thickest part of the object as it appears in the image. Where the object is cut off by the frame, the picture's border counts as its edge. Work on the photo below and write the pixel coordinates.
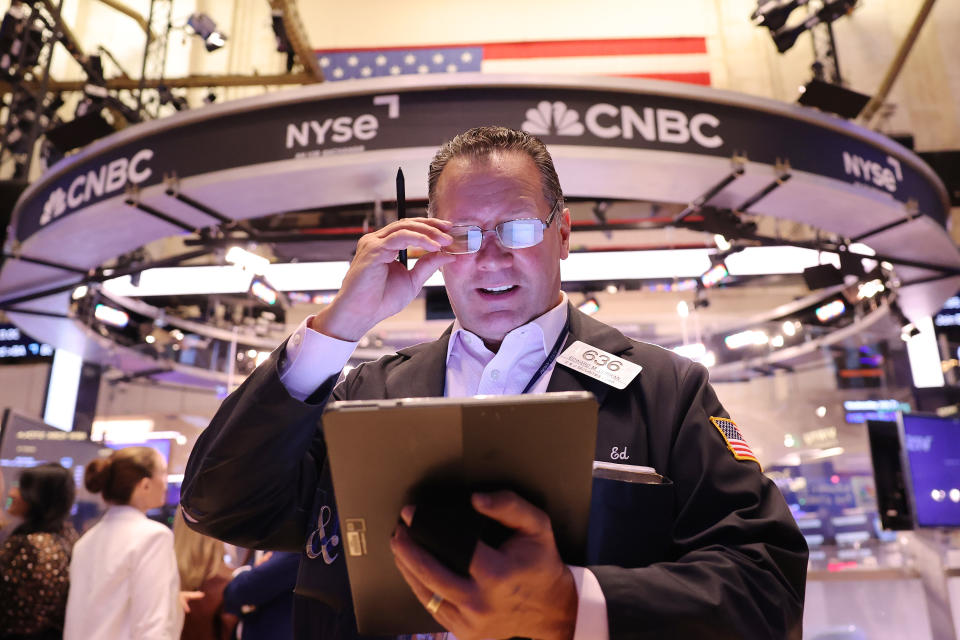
(123, 576)
(35, 559)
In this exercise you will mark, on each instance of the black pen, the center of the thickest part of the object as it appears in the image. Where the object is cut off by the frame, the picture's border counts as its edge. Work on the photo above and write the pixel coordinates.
(401, 210)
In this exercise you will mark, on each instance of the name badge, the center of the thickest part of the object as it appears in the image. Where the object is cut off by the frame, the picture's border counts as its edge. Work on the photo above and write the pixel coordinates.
(598, 364)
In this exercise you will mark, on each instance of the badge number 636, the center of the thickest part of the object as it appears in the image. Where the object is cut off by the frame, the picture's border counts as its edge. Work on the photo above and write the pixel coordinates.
(602, 359)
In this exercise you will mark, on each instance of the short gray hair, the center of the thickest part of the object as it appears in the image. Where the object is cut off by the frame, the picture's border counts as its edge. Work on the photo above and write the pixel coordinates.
(481, 142)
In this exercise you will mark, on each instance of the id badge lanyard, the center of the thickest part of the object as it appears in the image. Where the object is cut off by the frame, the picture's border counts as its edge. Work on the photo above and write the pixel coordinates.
(550, 356)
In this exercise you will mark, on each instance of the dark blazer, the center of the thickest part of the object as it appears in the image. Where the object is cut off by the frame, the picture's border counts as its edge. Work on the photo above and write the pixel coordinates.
(713, 552)
(268, 588)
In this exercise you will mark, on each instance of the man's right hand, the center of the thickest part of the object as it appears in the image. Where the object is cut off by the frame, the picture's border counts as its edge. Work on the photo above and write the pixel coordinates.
(377, 286)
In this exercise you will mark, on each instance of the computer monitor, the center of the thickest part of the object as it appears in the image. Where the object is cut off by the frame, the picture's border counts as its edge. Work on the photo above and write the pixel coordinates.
(931, 446)
(888, 477)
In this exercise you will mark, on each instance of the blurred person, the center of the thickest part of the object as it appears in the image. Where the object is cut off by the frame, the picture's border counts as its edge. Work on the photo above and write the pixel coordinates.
(35, 559)
(124, 581)
(202, 568)
(262, 594)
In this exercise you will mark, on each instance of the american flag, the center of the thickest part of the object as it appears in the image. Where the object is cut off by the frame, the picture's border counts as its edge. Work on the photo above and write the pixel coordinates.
(681, 59)
(735, 441)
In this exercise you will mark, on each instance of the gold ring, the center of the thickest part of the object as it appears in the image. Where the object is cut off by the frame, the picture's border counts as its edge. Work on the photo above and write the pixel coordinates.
(434, 604)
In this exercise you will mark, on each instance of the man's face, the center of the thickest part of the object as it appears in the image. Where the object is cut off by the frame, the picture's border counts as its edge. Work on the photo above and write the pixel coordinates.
(485, 193)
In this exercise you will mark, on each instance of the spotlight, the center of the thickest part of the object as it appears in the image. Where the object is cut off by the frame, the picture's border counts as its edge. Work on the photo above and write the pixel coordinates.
(785, 37)
(204, 26)
(773, 14)
(833, 98)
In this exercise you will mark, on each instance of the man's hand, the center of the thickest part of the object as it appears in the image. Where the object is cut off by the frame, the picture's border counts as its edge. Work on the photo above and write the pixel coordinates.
(376, 285)
(522, 589)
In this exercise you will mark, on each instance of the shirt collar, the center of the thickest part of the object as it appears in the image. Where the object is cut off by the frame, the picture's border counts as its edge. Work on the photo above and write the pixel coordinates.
(550, 324)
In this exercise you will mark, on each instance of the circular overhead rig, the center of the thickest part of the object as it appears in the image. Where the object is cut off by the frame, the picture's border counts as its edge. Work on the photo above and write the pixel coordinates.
(199, 237)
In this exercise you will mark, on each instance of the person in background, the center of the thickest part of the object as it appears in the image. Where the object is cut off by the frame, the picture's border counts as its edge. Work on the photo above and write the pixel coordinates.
(35, 559)
(124, 581)
(200, 562)
(262, 595)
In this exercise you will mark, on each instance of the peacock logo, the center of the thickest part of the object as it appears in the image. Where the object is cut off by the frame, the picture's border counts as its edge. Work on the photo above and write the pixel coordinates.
(552, 118)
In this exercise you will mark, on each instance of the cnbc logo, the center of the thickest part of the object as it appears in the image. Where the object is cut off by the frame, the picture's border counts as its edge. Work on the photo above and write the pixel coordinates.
(625, 122)
(103, 180)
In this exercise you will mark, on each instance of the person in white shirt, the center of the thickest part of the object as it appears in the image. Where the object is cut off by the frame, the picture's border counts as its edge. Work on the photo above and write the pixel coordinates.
(123, 574)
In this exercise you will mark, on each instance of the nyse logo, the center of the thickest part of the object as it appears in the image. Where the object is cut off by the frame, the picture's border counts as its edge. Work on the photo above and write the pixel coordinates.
(608, 121)
(104, 180)
(887, 176)
(342, 129)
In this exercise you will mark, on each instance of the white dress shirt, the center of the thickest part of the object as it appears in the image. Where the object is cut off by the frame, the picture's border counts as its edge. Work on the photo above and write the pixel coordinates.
(472, 369)
(124, 581)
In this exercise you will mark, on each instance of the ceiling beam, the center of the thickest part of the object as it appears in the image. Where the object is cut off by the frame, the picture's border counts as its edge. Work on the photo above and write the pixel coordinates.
(297, 35)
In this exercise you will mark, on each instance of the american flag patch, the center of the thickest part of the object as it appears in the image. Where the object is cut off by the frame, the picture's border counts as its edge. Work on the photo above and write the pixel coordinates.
(734, 439)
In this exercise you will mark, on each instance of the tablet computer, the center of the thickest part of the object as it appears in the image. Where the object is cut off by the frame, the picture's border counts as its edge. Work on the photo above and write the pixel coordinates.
(383, 452)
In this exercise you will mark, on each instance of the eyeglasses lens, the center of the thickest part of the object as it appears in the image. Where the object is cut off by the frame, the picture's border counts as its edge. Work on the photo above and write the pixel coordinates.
(519, 234)
(465, 240)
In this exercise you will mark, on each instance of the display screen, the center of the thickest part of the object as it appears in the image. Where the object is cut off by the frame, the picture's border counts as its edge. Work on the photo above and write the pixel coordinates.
(28, 442)
(932, 446)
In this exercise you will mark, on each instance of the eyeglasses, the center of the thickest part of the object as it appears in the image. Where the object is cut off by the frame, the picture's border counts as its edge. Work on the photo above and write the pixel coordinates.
(513, 234)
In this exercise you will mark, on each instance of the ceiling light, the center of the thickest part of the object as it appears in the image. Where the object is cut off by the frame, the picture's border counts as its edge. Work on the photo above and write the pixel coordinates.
(789, 328)
(111, 316)
(830, 310)
(694, 351)
(870, 289)
(247, 260)
(750, 337)
(776, 341)
(683, 309)
(721, 242)
(263, 291)
(714, 275)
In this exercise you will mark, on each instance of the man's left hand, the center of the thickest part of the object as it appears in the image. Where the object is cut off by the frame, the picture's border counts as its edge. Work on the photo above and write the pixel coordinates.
(521, 589)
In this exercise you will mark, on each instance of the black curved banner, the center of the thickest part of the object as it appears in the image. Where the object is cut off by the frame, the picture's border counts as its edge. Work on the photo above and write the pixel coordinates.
(418, 118)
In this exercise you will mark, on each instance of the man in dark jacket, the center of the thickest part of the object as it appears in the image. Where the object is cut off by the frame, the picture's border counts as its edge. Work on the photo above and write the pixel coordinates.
(712, 551)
